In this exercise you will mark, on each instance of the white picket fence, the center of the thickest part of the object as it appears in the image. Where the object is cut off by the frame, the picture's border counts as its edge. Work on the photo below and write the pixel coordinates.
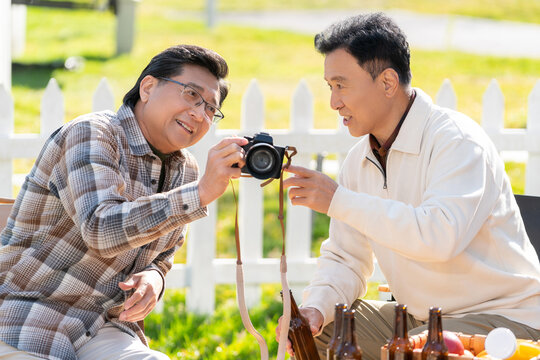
(203, 270)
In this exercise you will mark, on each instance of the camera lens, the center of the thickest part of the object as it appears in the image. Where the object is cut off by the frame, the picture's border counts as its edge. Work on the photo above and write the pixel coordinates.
(261, 160)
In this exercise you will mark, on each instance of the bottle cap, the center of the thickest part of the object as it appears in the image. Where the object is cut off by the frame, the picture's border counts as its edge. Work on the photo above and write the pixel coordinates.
(501, 343)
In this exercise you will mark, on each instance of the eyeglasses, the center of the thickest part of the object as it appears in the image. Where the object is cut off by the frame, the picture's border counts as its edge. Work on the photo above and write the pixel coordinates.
(195, 99)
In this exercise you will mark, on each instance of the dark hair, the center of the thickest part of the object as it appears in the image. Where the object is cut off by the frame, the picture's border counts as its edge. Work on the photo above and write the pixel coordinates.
(170, 62)
(374, 40)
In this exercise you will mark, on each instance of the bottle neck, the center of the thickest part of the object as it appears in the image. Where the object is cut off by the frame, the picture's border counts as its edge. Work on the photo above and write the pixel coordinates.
(347, 335)
(435, 332)
(338, 320)
(400, 322)
(294, 308)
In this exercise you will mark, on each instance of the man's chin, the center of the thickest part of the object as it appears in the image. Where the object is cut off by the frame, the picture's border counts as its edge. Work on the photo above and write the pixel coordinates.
(356, 132)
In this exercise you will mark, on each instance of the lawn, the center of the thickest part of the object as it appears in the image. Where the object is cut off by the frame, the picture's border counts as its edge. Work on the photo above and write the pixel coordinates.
(515, 10)
(278, 59)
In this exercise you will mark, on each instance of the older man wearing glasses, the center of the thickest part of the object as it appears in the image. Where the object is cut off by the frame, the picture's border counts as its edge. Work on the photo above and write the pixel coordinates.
(104, 209)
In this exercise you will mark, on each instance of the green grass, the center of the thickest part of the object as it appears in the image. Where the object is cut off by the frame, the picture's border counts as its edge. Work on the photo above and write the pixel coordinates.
(516, 10)
(278, 59)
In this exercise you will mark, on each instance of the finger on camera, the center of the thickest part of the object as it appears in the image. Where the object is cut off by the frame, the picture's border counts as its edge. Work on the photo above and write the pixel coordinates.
(234, 158)
(240, 141)
(228, 171)
(236, 173)
(232, 148)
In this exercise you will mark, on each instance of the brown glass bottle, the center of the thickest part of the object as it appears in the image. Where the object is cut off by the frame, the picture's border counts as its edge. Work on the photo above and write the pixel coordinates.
(348, 349)
(336, 338)
(399, 346)
(300, 335)
(435, 348)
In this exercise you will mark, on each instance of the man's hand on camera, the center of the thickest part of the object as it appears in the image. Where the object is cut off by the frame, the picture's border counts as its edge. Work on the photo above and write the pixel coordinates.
(310, 188)
(219, 170)
(313, 317)
(147, 286)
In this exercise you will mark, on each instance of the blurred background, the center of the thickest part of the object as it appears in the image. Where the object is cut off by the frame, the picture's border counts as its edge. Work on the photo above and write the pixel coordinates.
(271, 41)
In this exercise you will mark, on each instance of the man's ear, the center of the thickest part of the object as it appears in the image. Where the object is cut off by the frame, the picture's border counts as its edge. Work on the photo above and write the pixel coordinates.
(146, 86)
(390, 80)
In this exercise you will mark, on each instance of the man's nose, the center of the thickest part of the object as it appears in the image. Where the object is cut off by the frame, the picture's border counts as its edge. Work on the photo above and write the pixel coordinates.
(335, 102)
(198, 113)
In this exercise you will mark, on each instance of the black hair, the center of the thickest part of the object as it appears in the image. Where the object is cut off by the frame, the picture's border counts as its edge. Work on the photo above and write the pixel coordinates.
(373, 39)
(170, 62)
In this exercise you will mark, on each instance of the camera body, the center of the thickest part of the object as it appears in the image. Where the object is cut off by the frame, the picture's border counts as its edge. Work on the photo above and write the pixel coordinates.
(263, 158)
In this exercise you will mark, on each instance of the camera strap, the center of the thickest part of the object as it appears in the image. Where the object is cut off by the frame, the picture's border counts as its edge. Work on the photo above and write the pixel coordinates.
(290, 151)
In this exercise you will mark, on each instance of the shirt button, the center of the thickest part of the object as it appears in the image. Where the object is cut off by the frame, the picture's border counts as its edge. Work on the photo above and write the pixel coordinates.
(88, 333)
(185, 207)
(154, 181)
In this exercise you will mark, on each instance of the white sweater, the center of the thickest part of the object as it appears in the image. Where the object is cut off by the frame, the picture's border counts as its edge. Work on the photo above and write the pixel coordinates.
(443, 225)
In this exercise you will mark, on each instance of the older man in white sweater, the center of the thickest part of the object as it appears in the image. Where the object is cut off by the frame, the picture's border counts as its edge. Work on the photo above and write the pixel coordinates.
(424, 191)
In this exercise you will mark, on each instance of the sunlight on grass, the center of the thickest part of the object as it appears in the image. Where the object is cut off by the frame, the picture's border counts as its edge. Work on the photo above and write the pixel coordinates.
(516, 10)
(292, 57)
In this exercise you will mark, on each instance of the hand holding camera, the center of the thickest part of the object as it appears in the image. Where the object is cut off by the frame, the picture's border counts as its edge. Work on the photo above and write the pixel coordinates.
(219, 168)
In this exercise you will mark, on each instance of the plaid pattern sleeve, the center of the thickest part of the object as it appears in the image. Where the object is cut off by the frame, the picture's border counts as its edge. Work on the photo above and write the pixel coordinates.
(87, 217)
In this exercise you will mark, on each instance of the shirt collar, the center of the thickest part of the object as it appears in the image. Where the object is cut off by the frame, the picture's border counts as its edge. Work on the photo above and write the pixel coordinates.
(382, 150)
(410, 135)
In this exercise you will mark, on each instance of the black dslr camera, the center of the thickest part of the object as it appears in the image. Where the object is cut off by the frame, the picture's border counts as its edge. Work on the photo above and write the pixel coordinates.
(263, 158)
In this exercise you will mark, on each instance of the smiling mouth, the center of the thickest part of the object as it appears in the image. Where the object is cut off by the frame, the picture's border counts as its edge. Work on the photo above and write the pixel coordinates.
(187, 128)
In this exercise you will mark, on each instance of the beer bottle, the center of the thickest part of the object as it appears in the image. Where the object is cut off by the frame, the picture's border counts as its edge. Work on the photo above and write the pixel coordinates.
(348, 349)
(399, 347)
(435, 348)
(336, 337)
(300, 335)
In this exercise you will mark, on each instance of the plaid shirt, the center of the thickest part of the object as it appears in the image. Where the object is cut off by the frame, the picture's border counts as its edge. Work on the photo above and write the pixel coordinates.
(87, 217)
